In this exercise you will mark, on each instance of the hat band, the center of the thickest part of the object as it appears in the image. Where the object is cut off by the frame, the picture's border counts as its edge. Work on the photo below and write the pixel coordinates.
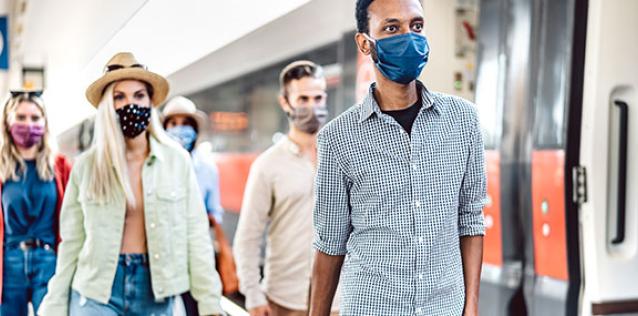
(113, 67)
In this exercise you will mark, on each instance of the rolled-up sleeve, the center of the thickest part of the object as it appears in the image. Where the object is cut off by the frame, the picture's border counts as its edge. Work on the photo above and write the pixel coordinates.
(331, 215)
(474, 187)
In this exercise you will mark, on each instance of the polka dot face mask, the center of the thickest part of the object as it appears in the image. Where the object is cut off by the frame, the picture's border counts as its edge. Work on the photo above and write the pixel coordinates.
(134, 119)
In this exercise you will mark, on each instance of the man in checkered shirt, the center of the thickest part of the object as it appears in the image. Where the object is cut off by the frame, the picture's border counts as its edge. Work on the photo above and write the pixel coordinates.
(400, 186)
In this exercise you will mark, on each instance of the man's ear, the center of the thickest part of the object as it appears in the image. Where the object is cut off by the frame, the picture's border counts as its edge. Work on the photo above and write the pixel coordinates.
(364, 45)
(283, 103)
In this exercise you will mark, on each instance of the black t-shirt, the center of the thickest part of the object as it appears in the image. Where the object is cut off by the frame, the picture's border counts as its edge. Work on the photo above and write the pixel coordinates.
(407, 116)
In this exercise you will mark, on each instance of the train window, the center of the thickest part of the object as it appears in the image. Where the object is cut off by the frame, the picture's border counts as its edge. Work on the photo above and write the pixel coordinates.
(553, 66)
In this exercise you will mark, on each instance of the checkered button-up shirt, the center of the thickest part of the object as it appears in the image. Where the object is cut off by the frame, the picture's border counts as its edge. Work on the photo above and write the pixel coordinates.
(396, 205)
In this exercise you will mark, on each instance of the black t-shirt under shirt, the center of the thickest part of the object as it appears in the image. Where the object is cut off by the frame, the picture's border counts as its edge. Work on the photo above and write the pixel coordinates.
(407, 116)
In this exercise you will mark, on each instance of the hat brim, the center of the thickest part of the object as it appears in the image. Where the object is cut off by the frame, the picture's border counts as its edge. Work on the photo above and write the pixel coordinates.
(200, 118)
(160, 86)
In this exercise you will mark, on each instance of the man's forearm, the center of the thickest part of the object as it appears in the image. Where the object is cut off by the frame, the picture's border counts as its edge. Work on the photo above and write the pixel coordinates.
(472, 255)
(325, 279)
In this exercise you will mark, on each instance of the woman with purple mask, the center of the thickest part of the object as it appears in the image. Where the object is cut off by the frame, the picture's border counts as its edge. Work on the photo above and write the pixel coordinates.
(32, 183)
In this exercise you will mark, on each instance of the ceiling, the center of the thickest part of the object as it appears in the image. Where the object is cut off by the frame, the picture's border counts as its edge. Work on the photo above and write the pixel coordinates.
(74, 39)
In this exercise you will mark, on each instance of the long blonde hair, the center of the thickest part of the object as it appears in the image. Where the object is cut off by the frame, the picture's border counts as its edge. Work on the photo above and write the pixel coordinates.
(12, 165)
(108, 152)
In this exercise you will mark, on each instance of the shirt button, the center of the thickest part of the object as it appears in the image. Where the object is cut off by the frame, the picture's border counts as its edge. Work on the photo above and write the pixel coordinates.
(160, 290)
(418, 310)
(415, 167)
(156, 256)
(417, 203)
(420, 276)
(152, 225)
(421, 240)
(149, 192)
(173, 194)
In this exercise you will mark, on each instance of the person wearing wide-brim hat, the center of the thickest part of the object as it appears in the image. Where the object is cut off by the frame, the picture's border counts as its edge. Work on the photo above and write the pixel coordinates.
(181, 112)
(133, 227)
(186, 125)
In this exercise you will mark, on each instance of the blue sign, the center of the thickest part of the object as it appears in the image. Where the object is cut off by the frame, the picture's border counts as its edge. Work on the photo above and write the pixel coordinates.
(4, 43)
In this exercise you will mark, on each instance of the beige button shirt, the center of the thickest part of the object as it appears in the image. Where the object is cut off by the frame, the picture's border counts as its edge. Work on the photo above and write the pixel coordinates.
(279, 198)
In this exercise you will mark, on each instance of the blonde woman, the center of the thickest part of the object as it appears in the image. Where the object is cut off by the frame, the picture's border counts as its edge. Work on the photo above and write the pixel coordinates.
(134, 230)
(32, 182)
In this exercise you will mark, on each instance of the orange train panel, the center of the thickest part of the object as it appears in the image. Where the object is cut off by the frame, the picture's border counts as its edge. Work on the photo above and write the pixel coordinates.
(233, 173)
(548, 213)
(493, 242)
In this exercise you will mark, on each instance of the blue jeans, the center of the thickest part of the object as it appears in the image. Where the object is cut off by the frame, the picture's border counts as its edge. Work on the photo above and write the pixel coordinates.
(131, 294)
(24, 278)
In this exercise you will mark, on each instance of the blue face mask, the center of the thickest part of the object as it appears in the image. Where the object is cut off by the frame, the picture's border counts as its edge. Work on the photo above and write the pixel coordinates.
(401, 58)
(185, 135)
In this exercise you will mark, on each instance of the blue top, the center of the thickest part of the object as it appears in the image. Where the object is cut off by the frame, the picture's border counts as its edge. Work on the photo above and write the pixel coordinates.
(397, 206)
(29, 208)
(208, 179)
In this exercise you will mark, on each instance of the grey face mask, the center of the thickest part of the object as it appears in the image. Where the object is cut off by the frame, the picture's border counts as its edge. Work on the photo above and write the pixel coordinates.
(308, 119)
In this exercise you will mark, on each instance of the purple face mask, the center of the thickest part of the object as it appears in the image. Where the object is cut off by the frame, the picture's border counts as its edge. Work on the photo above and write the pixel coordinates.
(25, 135)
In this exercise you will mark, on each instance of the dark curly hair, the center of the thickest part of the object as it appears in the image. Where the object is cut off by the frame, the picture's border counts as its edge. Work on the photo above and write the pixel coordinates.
(363, 20)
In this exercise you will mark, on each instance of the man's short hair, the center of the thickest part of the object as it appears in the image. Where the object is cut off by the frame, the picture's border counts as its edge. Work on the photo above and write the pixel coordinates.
(298, 70)
(363, 18)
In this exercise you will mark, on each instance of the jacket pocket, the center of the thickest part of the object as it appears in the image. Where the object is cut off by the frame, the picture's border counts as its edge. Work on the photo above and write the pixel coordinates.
(171, 202)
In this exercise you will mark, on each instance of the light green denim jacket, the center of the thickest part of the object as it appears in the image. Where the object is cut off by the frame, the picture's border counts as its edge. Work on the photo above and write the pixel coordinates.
(177, 236)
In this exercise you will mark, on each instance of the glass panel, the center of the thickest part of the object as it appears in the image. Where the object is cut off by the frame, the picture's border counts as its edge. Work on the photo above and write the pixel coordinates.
(490, 74)
(553, 76)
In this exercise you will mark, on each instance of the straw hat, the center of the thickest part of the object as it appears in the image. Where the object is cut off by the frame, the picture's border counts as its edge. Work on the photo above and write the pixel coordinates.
(124, 66)
(182, 106)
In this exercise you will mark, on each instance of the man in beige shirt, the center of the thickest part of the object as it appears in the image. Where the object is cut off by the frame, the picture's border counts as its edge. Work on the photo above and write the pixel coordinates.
(279, 199)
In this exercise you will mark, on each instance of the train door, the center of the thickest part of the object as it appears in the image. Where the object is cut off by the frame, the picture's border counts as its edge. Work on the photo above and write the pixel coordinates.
(609, 159)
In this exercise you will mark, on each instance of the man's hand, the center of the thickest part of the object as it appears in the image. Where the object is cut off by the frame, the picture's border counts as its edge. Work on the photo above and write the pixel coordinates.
(260, 311)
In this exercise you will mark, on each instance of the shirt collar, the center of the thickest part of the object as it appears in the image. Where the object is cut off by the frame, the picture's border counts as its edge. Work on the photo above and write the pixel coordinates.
(290, 146)
(370, 105)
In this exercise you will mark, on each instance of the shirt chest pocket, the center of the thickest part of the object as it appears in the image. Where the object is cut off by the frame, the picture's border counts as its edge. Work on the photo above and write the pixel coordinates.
(370, 213)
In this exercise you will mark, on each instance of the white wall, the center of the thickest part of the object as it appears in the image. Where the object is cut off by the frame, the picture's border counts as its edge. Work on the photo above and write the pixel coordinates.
(440, 30)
